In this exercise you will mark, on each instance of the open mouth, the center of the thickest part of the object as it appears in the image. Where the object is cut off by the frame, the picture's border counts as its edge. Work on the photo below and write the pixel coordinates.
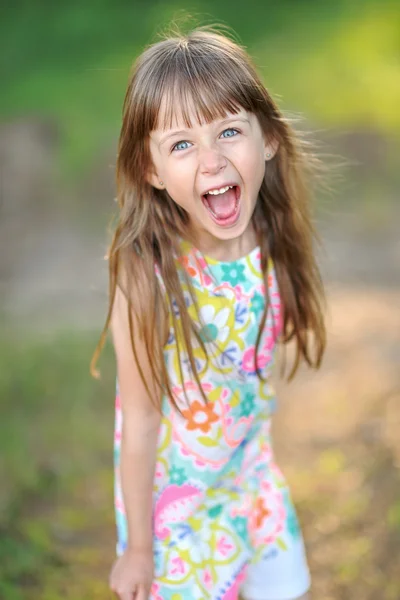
(223, 204)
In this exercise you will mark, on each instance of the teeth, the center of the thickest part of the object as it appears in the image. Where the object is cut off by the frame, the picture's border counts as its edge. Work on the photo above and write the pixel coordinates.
(220, 191)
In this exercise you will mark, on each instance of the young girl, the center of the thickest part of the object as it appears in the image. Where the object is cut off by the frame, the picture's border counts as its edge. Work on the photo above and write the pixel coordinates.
(210, 266)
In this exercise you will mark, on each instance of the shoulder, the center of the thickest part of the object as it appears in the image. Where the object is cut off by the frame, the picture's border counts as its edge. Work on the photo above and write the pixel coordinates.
(137, 329)
(138, 298)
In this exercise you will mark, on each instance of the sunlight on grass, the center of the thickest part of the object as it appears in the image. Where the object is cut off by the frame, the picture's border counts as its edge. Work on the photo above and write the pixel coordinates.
(350, 76)
(331, 461)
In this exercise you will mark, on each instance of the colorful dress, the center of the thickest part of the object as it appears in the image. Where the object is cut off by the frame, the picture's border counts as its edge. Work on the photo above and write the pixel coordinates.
(224, 521)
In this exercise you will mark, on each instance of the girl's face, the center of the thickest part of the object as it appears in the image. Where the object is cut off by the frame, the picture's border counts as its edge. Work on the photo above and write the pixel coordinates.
(214, 171)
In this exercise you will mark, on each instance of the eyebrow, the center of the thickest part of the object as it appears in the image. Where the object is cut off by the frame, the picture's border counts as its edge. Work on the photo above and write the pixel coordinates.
(184, 132)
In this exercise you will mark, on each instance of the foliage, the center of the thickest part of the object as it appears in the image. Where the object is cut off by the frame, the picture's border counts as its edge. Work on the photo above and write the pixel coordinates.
(335, 61)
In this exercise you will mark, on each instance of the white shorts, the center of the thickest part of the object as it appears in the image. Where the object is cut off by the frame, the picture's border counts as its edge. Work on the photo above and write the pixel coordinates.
(283, 576)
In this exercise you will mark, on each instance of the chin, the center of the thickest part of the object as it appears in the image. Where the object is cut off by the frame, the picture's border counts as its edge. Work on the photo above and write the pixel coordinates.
(230, 233)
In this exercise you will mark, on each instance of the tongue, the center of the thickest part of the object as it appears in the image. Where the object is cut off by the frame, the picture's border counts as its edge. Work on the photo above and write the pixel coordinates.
(223, 205)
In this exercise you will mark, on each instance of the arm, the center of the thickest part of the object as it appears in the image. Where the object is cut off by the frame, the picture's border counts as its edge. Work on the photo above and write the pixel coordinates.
(141, 422)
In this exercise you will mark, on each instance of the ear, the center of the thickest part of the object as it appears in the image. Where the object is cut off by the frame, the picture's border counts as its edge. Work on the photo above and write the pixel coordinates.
(154, 179)
(271, 146)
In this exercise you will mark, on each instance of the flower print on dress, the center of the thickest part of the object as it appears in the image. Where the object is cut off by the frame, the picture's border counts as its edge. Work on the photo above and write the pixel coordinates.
(207, 579)
(161, 472)
(264, 356)
(267, 521)
(276, 322)
(178, 570)
(197, 545)
(231, 589)
(204, 276)
(184, 260)
(214, 324)
(215, 468)
(247, 405)
(292, 521)
(155, 588)
(260, 512)
(171, 338)
(241, 313)
(173, 506)
(195, 265)
(234, 273)
(177, 475)
(257, 304)
(228, 356)
(215, 511)
(218, 432)
(240, 526)
(200, 416)
(249, 363)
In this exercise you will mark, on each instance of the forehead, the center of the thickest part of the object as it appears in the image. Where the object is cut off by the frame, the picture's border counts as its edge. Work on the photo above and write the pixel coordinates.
(186, 112)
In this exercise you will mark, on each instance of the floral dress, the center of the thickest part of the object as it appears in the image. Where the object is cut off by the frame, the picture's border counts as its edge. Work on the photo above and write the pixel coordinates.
(222, 509)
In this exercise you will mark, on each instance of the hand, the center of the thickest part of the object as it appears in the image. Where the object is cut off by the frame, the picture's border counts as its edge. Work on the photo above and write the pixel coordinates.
(132, 575)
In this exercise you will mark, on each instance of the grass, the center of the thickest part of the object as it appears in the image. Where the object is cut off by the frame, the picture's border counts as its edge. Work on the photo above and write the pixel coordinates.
(55, 432)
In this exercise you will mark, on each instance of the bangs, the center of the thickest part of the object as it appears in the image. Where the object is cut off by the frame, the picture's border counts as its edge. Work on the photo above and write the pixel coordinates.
(185, 104)
(204, 87)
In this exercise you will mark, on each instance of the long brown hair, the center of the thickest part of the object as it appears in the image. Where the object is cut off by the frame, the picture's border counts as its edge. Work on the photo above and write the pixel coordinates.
(209, 71)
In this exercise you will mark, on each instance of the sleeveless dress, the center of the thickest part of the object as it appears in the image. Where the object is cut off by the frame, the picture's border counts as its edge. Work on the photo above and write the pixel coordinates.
(223, 518)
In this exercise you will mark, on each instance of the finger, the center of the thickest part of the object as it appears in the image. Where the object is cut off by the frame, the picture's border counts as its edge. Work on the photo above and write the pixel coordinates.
(126, 595)
(141, 593)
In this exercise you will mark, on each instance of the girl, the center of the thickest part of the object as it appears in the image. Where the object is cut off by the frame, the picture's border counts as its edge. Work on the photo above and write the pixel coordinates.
(211, 264)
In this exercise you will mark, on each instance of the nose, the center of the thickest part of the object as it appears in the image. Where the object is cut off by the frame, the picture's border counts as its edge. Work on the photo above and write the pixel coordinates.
(211, 160)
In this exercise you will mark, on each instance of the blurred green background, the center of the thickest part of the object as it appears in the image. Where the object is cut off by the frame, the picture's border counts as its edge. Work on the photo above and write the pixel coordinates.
(64, 68)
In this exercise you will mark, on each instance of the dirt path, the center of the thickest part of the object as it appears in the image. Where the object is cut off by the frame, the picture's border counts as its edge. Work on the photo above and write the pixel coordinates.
(336, 437)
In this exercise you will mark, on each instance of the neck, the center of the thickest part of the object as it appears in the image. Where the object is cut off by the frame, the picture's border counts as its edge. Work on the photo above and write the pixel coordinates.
(227, 250)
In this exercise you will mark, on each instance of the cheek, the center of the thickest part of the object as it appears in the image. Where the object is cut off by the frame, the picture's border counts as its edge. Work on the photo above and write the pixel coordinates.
(178, 198)
(180, 174)
(180, 189)
(253, 166)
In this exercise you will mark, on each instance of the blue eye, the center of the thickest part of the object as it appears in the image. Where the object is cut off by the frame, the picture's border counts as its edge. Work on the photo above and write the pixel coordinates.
(179, 145)
(229, 133)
